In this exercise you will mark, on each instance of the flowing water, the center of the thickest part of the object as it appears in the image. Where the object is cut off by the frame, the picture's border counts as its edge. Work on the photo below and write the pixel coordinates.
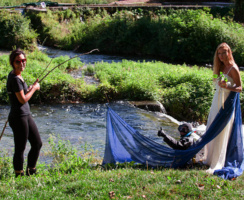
(83, 124)
(92, 58)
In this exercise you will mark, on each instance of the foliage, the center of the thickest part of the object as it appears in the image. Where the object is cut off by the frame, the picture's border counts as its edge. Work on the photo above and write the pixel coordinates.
(239, 15)
(59, 28)
(185, 92)
(5, 166)
(189, 36)
(15, 31)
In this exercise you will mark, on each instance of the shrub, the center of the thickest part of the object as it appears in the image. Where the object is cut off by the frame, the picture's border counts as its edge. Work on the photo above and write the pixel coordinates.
(185, 92)
(15, 31)
(181, 35)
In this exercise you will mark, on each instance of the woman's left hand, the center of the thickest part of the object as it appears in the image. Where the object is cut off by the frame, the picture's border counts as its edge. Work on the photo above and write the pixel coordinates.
(223, 84)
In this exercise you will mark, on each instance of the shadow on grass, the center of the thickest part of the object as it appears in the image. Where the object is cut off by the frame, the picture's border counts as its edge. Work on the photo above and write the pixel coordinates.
(134, 165)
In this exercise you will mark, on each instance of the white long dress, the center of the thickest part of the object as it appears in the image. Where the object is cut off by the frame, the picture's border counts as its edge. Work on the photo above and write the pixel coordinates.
(215, 151)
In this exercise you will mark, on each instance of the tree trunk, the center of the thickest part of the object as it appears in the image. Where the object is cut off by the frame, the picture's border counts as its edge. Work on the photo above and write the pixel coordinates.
(239, 10)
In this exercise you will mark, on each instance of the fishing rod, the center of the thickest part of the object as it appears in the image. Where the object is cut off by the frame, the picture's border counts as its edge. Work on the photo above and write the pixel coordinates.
(3, 129)
(47, 75)
(48, 64)
(65, 62)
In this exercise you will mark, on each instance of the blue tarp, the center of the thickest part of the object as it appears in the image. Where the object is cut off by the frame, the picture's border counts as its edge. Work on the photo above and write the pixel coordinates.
(125, 144)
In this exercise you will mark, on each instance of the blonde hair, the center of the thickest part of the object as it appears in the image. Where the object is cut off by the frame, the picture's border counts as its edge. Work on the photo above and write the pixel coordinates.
(217, 64)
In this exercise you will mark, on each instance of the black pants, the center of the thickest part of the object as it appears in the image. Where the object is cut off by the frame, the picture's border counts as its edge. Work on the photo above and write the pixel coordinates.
(24, 128)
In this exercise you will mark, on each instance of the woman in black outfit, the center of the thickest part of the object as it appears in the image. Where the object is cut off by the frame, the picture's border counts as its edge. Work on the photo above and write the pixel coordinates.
(20, 120)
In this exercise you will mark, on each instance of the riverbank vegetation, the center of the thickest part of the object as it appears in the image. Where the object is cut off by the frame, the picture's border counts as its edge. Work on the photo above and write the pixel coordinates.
(178, 36)
(16, 31)
(186, 92)
(189, 36)
(79, 175)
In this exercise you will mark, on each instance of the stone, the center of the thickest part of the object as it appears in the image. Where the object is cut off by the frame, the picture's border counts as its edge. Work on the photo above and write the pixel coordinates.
(154, 106)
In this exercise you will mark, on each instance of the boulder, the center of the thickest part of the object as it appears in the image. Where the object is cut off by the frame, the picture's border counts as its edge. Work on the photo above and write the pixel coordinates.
(154, 106)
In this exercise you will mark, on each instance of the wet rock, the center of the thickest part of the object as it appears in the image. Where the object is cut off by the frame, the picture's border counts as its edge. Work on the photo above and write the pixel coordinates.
(154, 106)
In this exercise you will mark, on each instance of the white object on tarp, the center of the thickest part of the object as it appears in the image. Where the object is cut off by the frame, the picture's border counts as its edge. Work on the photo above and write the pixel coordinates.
(43, 5)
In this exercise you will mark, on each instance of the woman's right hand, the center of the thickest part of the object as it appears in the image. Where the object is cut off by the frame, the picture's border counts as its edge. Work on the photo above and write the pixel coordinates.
(36, 85)
(22, 97)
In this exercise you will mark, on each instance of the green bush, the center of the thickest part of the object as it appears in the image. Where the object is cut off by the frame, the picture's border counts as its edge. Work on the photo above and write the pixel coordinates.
(189, 36)
(185, 92)
(15, 31)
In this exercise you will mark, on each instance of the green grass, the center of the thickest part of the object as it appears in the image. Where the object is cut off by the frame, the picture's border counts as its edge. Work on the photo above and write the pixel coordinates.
(86, 182)
(124, 184)
(177, 86)
(74, 175)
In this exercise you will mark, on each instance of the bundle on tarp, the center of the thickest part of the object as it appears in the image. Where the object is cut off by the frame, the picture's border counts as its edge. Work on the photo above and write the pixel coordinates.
(124, 144)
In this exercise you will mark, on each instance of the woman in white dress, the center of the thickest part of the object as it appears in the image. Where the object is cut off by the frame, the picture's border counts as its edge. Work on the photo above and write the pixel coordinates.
(215, 151)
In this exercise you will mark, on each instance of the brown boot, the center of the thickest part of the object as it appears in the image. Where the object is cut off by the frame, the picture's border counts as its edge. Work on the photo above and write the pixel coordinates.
(19, 173)
(30, 171)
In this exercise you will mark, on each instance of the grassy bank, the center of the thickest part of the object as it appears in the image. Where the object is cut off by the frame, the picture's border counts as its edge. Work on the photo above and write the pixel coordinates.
(178, 36)
(186, 92)
(125, 183)
(78, 175)
(189, 36)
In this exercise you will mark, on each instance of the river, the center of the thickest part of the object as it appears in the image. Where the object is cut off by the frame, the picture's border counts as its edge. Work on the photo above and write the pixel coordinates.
(84, 124)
